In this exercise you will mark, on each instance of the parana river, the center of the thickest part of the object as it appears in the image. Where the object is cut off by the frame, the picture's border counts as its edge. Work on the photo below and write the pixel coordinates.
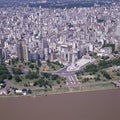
(100, 105)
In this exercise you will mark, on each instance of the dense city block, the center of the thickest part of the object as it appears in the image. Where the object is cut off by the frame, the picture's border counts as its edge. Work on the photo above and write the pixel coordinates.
(50, 48)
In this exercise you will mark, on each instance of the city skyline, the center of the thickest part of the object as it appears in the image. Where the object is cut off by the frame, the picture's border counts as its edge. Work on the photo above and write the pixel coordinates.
(59, 59)
(56, 3)
(63, 47)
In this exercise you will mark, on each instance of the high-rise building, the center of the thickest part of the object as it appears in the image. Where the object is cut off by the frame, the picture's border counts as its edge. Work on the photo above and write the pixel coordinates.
(41, 52)
(25, 52)
(22, 52)
(1, 55)
(117, 45)
(46, 53)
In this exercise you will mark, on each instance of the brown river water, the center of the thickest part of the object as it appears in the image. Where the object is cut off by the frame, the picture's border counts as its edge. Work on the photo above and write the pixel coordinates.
(100, 105)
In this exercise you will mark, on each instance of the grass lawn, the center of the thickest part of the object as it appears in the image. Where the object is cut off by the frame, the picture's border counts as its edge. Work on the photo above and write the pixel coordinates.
(94, 87)
(55, 66)
(98, 76)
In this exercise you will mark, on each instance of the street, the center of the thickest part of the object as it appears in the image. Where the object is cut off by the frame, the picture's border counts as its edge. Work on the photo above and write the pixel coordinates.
(71, 78)
(72, 81)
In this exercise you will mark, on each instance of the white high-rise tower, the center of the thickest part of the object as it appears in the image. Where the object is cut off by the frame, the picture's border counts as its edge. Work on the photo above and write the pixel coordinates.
(41, 35)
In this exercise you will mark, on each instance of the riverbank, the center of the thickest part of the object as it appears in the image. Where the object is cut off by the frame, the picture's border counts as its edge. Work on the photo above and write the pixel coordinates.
(82, 89)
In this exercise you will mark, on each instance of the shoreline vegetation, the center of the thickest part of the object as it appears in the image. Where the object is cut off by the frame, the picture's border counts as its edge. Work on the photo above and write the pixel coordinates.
(75, 90)
(97, 76)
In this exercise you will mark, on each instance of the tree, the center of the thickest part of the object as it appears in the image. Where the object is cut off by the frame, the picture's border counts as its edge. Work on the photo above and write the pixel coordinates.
(39, 63)
(85, 80)
(24, 90)
(4, 74)
(17, 78)
(31, 66)
(118, 74)
(105, 57)
(116, 52)
(97, 78)
(37, 70)
(50, 85)
(10, 77)
(9, 62)
(105, 74)
(48, 62)
(16, 71)
(29, 91)
(31, 75)
(54, 77)
(91, 68)
(46, 75)
(1, 80)
(58, 81)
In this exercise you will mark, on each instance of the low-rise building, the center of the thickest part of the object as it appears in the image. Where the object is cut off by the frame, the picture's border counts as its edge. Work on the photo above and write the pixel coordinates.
(106, 51)
(3, 92)
(19, 92)
(44, 67)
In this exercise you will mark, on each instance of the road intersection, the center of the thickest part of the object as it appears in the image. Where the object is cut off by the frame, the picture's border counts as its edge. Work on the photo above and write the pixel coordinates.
(71, 78)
